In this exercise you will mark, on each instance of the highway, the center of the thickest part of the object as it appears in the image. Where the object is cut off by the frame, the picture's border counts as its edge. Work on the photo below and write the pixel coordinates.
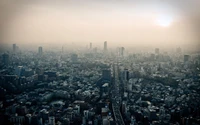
(116, 97)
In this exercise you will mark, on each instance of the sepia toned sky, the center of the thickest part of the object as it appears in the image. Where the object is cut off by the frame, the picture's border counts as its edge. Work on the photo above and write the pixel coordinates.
(120, 22)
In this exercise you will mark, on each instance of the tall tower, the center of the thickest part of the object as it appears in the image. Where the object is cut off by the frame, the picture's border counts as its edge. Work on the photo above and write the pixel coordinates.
(5, 58)
(121, 51)
(106, 74)
(90, 45)
(14, 47)
(105, 46)
(40, 50)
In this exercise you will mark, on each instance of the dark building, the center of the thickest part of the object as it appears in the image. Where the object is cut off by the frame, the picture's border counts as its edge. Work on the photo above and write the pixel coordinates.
(5, 59)
(105, 46)
(40, 50)
(14, 47)
(90, 45)
(106, 74)
(121, 51)
(126, 75)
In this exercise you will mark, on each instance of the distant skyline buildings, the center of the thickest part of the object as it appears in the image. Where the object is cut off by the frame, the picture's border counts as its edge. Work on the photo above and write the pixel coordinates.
(100, 48)
(90, 45)
(175, 21)
(5, 58)
(105, 46)
(40, 51)
(14, 47)
(121, 51)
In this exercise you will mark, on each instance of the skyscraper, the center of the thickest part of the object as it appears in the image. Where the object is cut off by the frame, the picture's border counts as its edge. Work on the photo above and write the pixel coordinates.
(40, 50)
(5, 58)
(106, 74)
(126, 74)
(105, 46)
(14, 47)
(90, 45)
(121, 51)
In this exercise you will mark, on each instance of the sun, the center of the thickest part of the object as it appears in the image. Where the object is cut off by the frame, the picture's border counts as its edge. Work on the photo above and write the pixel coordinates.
(164, 21)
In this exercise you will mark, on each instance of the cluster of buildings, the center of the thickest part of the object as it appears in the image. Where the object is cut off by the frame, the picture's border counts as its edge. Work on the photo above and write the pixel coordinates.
(76, 88)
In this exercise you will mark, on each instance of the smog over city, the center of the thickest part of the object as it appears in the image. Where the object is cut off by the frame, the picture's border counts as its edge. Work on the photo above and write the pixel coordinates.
(100, 62)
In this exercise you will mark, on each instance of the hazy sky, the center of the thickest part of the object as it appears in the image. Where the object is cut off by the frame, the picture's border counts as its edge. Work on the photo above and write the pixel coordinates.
(120, 22)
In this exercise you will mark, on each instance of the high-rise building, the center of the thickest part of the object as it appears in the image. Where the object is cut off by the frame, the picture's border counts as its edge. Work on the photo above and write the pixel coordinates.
(90, 45)
(126, 75)
(105, 46)
(106, 74)
(157, 51)
(14, 47)
(121, 51)
(5, 59)
(40, 50)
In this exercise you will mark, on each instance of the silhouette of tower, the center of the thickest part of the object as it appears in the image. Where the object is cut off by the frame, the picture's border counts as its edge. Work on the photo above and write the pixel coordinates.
(5, 58)
(90, 45)
(40, 50)
(105, 46)
(14, 47)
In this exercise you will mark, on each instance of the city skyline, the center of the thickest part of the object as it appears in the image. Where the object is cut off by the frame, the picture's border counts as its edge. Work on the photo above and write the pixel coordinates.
(121, 23)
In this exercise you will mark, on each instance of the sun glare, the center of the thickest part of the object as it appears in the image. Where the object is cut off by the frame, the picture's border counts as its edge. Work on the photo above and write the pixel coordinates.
(164, 21)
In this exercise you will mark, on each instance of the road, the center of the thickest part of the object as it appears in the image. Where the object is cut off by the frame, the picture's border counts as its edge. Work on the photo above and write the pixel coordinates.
(116, 97)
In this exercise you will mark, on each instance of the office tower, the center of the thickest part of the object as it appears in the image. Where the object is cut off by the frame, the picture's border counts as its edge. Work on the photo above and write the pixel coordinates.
(5, 59)
(90, 45)
(126, 75)
(121, 51)
(40, 50)
(106, 74)
(186, 58)
(14, 47)
(124, 107)
(105, 46)
(157, 51)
